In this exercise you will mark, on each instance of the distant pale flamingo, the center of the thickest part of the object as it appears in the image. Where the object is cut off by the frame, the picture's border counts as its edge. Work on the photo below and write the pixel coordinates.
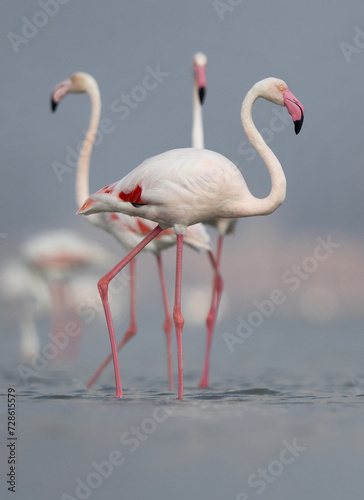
(128, 231)
(185, 186)
(223, 226)
(199, 63)
(56, 256)
(25, 297)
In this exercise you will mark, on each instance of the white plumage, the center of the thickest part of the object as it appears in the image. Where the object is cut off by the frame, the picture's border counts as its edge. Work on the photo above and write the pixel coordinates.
(185, 186)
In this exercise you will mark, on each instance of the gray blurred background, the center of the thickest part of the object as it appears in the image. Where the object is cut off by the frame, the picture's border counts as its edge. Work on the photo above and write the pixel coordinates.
(317, 48)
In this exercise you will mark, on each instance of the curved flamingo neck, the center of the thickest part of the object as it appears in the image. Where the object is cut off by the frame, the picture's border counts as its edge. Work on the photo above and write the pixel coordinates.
(83, 167)
(277, 194)
(197, 125)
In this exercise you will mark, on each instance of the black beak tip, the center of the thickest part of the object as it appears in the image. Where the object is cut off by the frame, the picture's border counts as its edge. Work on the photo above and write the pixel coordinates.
(298, 125)
(202, 94)
(54, 104)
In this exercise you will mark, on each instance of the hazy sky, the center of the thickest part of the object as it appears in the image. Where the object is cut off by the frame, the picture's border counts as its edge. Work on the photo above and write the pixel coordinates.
(316, 47)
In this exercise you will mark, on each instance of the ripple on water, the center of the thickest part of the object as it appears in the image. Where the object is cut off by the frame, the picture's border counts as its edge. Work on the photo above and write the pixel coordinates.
(274, 389)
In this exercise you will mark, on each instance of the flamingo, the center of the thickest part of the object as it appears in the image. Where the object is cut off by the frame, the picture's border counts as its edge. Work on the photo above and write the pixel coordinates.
(223, 226)
(55, 256)
(25, 296)
(127, 230)
(199, 64)
(181, 187)
(26, 299)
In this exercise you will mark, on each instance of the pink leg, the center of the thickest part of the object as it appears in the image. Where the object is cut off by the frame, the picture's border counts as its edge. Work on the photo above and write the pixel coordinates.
(177, 314)
(130, 332)
(103, 286)
(55, 306)
(58, 311)
(73, 316)
(212, 315)
(168, 321)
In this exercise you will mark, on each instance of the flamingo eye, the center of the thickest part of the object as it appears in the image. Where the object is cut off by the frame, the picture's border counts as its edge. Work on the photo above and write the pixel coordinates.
(281, 88)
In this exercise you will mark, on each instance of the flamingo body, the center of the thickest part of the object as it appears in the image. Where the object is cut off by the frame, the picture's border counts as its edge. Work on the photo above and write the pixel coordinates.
(130, 231)
(57, 254)
(186, 186)
(178, 188)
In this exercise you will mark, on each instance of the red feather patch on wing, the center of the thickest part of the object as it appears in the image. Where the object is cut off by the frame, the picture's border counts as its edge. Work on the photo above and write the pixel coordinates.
(107, 189)
(143, 227)
(166, 232)
(134, 196)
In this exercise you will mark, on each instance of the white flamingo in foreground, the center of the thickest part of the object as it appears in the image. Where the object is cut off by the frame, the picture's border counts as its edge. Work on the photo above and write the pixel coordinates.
(185, 186)
(127, 230)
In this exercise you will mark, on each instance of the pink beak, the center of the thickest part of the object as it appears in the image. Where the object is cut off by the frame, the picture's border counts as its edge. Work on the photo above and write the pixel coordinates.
(59, 92)
(200, 72)
(295, 109)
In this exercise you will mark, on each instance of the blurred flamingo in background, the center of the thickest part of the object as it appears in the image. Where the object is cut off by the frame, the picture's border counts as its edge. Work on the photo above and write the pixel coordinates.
(26, 300)
(25, 297)
(223, 226)
(199, 64)
(128, 231)
(55, 256)
(185, 186)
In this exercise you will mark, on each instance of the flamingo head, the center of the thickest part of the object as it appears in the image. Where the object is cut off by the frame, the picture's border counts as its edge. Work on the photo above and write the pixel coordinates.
(199, 67)
(77, 83)
(276, 91)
